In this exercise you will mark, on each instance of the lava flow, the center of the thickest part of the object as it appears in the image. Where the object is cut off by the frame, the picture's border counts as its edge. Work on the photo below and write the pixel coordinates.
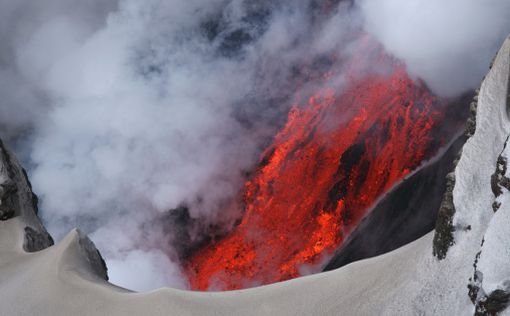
(325, 169)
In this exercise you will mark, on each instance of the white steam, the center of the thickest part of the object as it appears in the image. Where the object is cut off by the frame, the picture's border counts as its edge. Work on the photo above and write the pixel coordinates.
(128, 110)
(448, 43)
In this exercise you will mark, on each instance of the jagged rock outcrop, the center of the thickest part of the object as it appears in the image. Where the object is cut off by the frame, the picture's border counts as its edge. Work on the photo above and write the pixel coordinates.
(478, 199)
(18, 201)
(92, 256)
(443, 234)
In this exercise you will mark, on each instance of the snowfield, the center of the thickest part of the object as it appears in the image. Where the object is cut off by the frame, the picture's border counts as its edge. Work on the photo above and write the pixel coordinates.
(69, 278)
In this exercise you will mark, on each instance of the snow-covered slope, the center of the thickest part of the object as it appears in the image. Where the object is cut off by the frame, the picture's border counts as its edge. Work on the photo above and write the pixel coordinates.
(69, 278)
(481, 211)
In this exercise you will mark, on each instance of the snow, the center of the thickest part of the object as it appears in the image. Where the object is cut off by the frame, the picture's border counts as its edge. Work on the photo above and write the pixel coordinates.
(473, 196)
(493, 264)
(495, 253)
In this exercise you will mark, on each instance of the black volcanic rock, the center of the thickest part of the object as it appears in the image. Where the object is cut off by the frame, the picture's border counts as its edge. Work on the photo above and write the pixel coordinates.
(405, 214)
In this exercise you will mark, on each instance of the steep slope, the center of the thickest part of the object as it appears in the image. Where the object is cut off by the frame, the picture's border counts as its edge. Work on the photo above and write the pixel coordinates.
(406, 213)
(470, 247)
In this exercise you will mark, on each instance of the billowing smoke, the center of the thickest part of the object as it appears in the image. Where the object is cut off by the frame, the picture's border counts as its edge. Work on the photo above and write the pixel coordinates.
(60, 24)
(139, 120)
(447, 43)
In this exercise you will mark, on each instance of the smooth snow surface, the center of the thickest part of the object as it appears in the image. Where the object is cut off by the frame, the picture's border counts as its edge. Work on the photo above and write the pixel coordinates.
(408, 281)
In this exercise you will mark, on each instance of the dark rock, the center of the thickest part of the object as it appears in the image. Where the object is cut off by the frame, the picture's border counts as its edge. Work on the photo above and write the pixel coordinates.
(475, 283)
(18, 200)
(473, 292)
(6, 213)
(402, 216)
(498, 179)
(443, 237)
(492, 304)
(93, 256)
(35, 240)
(7, 199)
(471, 122)
(495, 206)
(470, 127)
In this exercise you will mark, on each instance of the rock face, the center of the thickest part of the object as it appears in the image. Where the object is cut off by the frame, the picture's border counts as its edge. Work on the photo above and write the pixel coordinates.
(93, 256)
(443, 236)
(17, 199)
(475, 214)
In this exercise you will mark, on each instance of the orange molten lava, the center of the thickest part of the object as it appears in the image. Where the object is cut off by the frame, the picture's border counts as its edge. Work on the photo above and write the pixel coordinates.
(331, 162)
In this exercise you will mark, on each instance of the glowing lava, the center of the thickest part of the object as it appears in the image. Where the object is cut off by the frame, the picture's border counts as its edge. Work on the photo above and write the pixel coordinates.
(331, 162)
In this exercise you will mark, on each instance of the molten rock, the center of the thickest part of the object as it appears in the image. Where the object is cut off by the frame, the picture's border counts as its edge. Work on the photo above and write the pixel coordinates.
(337, 155)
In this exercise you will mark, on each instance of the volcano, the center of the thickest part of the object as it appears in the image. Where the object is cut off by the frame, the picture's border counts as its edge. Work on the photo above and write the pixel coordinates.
(340, 151)
(236, 157)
